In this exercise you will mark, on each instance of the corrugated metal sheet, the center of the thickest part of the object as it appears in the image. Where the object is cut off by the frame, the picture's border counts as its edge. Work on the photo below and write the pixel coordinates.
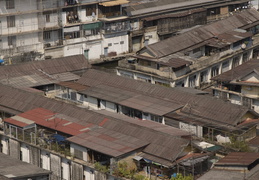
(238, 158)
(200, 34)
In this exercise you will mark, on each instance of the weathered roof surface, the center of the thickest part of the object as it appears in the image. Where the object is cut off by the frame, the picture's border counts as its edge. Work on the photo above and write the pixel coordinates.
(203, 33)
(48, 119)
(216, 174)
(238, 72)
(132, 99)
(206, 107)
(254, 141)
(160, 137)
(73, 85)
(43, 72)
(108, 142)
(238, 158)
(14, 168)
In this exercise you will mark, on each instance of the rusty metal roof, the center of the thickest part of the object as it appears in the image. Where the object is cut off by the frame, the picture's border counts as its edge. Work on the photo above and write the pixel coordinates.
(176, 62)
(238, 158)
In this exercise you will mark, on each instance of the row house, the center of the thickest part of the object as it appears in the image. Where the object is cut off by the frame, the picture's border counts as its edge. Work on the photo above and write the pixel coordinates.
(71, 146)
(193, 57)
(178, 107)
(239, 85)
(158, 20)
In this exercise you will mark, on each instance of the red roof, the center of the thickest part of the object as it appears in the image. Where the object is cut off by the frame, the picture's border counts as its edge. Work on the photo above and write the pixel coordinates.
(49, 119)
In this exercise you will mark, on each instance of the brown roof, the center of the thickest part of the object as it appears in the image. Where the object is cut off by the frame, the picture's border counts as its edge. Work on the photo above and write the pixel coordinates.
(239, 158)
(73, 85)
(108, 142)
(160, 137)
(43, 72)
(206, 107)
(238, 72)
(132, 99)
(203, 33)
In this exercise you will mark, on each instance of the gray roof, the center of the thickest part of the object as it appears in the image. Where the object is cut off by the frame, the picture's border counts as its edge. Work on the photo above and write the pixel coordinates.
(37, 73)
(14, 168)
(206, 107)
(201, 34)
(132, 99)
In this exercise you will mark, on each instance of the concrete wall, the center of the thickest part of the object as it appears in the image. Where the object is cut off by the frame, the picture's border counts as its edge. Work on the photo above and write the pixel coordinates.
(55, 166)
(14, 148)
(77, 171)
(66, 172)
(25, 151)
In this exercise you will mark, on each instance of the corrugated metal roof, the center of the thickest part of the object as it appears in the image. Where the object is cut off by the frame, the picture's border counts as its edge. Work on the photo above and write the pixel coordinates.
(160, 137)
(132, 99)
(176, 62)
(108, 142)
(200, 34)
(206, 107)
(73, 85)
(238, 158)
(238, 72)
(43, 72)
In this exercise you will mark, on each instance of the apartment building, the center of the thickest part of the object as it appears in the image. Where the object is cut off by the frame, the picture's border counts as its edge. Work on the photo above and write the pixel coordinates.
(37, 30)
(193, 57)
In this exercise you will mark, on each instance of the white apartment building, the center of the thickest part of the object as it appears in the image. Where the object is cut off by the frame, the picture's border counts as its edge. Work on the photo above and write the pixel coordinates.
(35, 30)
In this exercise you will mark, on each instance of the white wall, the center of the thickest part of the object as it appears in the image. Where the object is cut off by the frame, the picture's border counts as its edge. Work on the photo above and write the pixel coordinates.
(23, 23)
(45, 160)
(197, 130)
(5, 146)
(25, 153)
(66, 169)
(20, 5)
(88, 173)
(116, 45)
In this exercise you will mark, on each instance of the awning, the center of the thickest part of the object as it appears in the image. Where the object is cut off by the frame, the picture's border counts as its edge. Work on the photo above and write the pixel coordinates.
(71, 29)
(92, 26)
(114, 3)
(138, 158)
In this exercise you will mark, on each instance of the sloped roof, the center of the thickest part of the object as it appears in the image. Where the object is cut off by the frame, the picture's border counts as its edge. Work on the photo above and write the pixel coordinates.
(148, 132)
(203, 33)
(202, 106)
(238, 72)
(37, 73)
(14, 168)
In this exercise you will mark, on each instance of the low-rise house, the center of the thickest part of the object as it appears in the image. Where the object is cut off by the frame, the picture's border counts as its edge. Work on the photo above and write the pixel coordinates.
(236, 165)
(193, 57)
(239, 85)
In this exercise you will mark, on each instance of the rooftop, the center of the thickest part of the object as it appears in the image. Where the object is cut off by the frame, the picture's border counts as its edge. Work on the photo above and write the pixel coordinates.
(14, 168)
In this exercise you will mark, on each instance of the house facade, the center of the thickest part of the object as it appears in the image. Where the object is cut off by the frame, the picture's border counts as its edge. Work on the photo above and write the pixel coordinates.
(192, 58)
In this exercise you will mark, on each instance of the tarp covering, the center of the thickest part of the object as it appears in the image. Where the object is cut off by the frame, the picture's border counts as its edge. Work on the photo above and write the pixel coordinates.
(92, 26)
(1, 61)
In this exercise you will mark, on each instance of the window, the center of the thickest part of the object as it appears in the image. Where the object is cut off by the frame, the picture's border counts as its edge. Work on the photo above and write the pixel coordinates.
(90, 10)
(109, 44)
(78, 154)
(9, 4)
(122, 42)
(47, 17)
(46, 35)
(10, 21)
(11, 40)
(196, 50)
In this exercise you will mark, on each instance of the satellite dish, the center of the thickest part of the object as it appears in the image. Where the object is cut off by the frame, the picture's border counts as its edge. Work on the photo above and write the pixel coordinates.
(243, 46)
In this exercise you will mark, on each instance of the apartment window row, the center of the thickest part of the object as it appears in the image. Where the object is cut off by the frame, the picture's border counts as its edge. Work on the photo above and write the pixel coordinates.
(9, 4)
